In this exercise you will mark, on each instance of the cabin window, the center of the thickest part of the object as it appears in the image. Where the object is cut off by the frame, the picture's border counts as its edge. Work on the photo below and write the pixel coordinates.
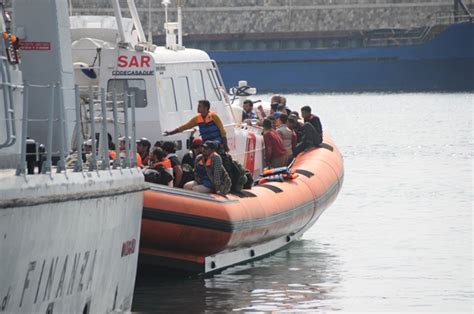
(197, 84)
(168, 95)
(183, 94)
(212, 86)
(136, 87)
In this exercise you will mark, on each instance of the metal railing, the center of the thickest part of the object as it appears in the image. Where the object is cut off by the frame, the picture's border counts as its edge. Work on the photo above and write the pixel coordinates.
(97, 102)
(8, 106)
(419, 35)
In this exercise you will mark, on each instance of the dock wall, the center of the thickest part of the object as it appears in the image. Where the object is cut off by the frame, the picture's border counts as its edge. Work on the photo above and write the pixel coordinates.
(263, 16)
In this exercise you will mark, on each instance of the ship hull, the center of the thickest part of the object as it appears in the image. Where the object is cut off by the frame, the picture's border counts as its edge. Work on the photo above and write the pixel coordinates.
(445, 63)
(69, 243)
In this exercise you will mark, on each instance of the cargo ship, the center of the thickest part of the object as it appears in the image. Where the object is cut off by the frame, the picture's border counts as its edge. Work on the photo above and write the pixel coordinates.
(433, 58)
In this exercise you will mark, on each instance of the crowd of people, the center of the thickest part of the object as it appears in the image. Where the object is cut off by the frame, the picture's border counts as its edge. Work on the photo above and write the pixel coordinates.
(208, 167)
(285, 134)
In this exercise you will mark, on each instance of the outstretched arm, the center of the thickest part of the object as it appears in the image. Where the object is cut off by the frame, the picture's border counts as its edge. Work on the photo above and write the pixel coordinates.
(190, 124)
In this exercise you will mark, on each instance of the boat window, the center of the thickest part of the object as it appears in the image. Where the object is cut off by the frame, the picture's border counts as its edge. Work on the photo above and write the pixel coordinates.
(135, 87)
(183, 94)
(212, 86)
(198, 92)
(168, 95)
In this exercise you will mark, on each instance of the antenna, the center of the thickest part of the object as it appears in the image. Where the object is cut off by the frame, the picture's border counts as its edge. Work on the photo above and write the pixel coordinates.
(150, 41)
(166, 3)
(180, 25)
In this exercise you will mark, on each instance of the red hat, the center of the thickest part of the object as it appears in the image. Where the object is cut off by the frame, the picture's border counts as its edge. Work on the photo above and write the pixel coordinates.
(196, 142)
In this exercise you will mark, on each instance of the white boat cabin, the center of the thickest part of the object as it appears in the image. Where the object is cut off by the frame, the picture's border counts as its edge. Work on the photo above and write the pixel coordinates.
(166, 83)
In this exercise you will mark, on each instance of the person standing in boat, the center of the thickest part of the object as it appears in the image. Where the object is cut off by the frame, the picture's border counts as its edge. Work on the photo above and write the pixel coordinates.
(209, 173)
(248, 113)
(275, 153)
(209, 123)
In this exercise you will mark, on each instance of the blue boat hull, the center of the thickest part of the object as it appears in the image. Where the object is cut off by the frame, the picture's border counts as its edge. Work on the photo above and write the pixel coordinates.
(446, 63)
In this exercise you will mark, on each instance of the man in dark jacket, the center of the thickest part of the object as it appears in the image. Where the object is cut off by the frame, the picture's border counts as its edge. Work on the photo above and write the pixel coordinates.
(315, 122)
(312, 132)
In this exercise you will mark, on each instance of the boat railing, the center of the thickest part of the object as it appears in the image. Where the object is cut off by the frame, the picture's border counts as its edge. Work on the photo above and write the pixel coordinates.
(96, 104)
(399, 37)
(8, 106)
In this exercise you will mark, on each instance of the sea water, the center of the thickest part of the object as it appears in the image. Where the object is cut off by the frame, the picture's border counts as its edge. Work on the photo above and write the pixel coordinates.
(397, 238)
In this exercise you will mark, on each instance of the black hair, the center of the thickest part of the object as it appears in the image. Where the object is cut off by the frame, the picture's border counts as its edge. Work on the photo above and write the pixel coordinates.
(283, 118)
(306, 109)
(292, 119)
(205, 103)
(158, 153)
(280, 107)
(267, 123)
(169, 147)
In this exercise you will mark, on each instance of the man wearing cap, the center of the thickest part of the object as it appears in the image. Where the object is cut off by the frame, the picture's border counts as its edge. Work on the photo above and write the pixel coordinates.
(143, 149)
(209, 123)
(209, 173)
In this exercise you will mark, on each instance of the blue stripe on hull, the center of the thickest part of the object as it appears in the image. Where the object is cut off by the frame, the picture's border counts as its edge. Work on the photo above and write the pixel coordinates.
(420, 75)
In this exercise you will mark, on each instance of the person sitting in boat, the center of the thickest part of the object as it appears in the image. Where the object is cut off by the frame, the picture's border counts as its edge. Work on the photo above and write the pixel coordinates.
(287, 136)
(209, 123)
(248, 113)
(160, 170)
(209, 173)
(189, 159)
(143, 149)
(71, 160)
(170, 150)
(315, 122)
(296, 126)
(275, 153)
(123, 153)
(311, 136)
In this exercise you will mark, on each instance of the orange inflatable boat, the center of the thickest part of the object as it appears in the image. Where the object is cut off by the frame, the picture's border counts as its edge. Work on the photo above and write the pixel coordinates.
(207, 232)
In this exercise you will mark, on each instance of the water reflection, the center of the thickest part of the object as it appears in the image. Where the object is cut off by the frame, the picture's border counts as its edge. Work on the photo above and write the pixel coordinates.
(301, 277)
